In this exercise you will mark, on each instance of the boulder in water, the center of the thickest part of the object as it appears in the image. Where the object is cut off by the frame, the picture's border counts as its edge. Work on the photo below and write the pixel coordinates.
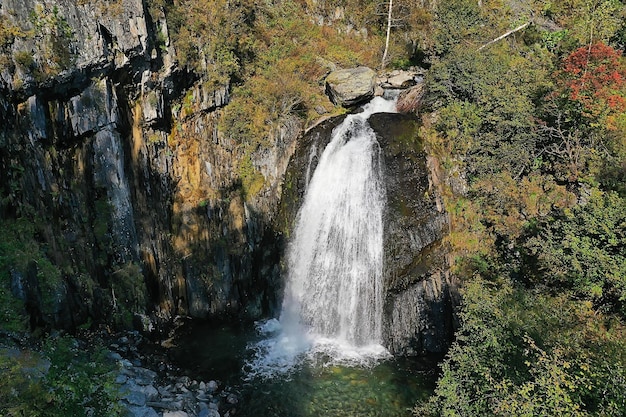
(352, 86)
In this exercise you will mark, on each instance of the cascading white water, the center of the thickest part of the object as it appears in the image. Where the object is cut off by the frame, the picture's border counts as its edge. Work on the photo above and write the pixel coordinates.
(334, 294)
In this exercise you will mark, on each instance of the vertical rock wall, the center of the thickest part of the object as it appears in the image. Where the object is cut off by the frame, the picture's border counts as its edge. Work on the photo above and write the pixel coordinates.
(115, 155)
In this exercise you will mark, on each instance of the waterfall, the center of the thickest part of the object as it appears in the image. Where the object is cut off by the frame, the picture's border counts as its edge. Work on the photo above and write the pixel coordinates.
(334, 292)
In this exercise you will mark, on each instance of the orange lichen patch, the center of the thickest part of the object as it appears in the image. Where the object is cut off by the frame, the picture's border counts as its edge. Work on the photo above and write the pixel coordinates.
(137, 132)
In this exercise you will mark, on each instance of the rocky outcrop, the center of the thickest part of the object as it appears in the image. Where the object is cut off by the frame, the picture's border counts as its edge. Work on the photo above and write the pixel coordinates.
(114, 154)
(400, 79)
(145, 207)
(420, 295)
(352, 86)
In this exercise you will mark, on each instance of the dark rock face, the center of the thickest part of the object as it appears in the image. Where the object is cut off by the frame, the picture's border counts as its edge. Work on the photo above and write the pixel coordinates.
(117, 159)
(420, 296)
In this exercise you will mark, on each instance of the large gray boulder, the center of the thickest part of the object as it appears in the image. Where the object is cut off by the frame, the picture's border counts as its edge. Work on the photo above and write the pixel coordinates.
(352, 86)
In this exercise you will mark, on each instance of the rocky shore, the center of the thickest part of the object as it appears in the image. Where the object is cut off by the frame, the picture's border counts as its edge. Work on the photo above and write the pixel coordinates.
(151, 387)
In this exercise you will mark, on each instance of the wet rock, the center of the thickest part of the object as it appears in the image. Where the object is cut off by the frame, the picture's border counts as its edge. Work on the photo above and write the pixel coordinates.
(349, 87)
(93, 109)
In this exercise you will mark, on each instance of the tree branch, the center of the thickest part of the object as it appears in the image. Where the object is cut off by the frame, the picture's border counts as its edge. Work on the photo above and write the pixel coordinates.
(510, 32)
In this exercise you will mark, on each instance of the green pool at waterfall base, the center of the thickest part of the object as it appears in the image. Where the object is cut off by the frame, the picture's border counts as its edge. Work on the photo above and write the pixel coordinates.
(389, 389)
(386, 390)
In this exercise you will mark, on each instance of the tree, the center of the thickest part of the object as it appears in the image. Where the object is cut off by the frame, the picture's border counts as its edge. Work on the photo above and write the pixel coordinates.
(583, 249)
(384, 60)
(584, 115)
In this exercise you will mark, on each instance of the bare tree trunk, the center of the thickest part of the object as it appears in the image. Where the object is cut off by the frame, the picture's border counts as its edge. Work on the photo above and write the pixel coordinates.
(505, 35)
(388, 34)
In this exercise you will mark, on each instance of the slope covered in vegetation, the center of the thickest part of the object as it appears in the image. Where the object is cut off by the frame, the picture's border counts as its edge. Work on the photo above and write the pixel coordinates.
(533, 127)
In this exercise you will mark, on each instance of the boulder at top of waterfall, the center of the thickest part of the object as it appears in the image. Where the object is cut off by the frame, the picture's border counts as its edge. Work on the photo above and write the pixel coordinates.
(352, 86)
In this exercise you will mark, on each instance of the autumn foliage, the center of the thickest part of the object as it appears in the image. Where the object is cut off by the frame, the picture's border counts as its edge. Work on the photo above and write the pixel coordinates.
(594, 76)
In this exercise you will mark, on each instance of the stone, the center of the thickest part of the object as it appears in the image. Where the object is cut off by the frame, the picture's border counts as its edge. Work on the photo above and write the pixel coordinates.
(211, 386)
(136, 398)
(149, 391)
(121, 379)
(135, 411)
(144, 376)
(208, 411)
(352, 86)
(164, 405)
(232, 399)
(402, 79)
(178, 413)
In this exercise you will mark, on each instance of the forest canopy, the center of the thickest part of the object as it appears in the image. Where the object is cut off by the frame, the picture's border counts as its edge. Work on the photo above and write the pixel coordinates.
(534, 127)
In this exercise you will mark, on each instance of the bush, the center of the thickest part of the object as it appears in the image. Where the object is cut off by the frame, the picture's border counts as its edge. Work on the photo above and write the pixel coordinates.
(24, 59)
(65, 379)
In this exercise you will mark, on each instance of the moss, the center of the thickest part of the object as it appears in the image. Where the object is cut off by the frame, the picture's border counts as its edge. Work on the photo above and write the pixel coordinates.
(66, 378)
(154, 137)
(55, 37)
(12, 312)
(24, 59)
(129, 290)
(252, 180)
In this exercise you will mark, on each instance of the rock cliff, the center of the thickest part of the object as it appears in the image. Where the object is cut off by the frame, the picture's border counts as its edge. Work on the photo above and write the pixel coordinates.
(114, 154)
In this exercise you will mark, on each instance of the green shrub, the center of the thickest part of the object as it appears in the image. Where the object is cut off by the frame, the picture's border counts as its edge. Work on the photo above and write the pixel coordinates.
(19, 250)
(66, 379)
(24, 59)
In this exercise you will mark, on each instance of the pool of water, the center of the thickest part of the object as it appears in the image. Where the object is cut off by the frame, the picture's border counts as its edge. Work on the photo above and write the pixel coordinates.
(390, 387)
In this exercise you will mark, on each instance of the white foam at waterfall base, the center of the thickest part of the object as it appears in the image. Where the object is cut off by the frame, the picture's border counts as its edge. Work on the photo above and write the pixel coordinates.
(332, 307)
